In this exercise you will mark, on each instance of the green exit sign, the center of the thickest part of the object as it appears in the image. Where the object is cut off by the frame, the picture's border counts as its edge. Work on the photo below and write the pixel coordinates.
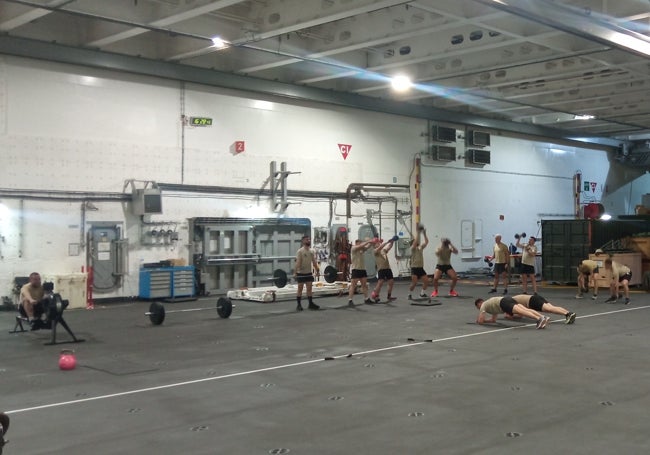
(200, 121)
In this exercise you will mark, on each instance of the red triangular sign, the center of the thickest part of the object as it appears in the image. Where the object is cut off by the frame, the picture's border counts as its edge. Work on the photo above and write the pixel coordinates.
(345, 150)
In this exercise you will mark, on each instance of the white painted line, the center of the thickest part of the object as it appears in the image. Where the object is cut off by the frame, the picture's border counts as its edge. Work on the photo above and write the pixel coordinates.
(292, 365)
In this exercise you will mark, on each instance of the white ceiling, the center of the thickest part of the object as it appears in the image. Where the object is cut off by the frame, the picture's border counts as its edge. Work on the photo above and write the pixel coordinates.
(540, 62)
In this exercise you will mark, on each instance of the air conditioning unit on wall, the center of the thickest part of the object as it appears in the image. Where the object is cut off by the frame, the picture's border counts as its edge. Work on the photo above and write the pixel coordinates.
(147, 201)
(475, 156)
(443, 153)
(479, 138)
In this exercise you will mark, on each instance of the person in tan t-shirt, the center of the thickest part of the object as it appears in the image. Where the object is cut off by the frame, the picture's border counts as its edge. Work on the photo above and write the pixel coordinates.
(501, 257)
(621, 275)
(444, 252)
(305, 260)
(30, 294)
(384, 272)
(358, 274)
(417, 262)
(588, 276)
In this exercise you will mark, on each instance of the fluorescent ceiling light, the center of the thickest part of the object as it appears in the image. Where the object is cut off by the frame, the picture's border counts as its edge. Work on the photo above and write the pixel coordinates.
(401, 83)
(218, 42)
(583, 117)
(606, 217)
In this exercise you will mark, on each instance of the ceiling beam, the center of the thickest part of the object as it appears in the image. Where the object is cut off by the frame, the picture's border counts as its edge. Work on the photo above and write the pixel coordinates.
(97, 59)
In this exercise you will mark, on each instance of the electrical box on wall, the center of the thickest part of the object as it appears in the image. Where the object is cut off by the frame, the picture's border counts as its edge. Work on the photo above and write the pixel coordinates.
(146, 201)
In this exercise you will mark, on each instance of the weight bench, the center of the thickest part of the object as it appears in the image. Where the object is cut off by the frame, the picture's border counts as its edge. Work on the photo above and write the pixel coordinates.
(52, 306)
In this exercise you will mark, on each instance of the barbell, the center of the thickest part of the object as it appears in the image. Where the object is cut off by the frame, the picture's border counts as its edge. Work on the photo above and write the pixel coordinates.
(157, 311)
(280, 277)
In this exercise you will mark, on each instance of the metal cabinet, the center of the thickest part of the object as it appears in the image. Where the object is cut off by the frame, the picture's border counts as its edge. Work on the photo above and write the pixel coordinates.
(166, 282)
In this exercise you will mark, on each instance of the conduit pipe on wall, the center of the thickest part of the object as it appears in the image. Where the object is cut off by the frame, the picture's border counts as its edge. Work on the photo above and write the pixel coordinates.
(375, 187)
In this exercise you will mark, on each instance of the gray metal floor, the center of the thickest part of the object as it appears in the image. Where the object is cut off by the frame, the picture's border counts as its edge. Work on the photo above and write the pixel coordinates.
(257, 383)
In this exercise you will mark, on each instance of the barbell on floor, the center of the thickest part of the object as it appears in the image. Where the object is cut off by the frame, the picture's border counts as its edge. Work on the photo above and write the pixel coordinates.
(280, 277)
(157, 311)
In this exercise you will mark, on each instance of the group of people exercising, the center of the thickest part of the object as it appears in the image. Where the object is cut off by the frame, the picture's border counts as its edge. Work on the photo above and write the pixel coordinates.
(523, 305)
(588, 275)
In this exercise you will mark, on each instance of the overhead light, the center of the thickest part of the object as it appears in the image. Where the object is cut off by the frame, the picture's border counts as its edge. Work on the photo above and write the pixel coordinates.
(558, 151)
(583, 117)
(218, 42)
(401, 83)
(606, 217)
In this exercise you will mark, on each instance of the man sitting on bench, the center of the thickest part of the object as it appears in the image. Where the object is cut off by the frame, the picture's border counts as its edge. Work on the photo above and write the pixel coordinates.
(31, 295)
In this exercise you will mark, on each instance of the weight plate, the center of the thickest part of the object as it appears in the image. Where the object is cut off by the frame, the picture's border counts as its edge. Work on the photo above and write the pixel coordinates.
(156, 313)
(224, 307)
(280, 278)
(330, 274)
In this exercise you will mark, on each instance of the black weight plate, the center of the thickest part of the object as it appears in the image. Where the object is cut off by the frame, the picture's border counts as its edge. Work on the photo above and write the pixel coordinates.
(330, 274)
(280, 278)
(156, 313)
(224, 307)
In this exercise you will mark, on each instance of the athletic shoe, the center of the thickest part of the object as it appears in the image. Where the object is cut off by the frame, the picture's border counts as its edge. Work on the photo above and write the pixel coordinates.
(368, 301)
(299, 307)
(423, 294)
(505, 291)
(627, 301)
(570, 318)
(410, 297)
(390, 299)
(313, 306)
(492, 291)
(350, 303)
(541, 323)
(612, 299)
(452, 293)
(579, 296)
(594, 297)
(435, 294)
